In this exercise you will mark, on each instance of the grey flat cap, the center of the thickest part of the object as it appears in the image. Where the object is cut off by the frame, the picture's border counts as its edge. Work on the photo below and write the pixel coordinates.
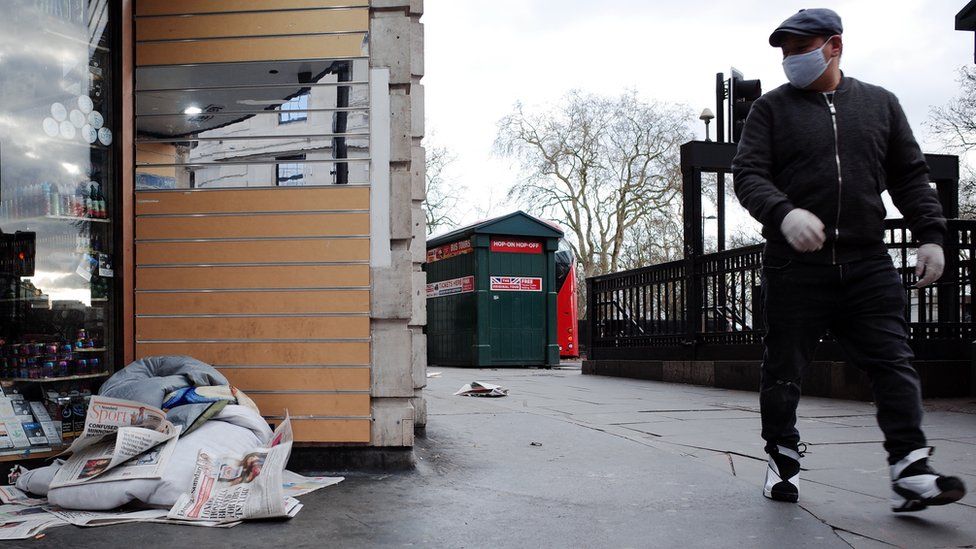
(812, 22)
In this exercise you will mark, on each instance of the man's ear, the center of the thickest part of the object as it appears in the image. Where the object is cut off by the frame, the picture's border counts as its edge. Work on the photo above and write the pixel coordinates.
(836, 46)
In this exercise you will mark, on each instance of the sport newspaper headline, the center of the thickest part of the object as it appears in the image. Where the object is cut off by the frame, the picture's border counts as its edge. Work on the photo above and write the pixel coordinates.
(121, 440)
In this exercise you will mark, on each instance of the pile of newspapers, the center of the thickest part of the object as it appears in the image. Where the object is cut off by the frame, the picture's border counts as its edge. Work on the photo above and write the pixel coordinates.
(126, 440)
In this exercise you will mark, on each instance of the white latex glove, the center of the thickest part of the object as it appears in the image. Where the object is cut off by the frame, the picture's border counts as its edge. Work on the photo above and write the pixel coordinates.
(931, 262)
(803, 230)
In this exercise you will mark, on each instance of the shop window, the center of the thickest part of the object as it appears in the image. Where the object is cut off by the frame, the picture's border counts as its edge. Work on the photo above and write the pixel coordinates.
(58, 191)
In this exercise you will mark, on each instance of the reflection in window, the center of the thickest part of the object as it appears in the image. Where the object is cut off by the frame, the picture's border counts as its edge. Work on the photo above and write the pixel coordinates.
(294, 110)
(291, 174)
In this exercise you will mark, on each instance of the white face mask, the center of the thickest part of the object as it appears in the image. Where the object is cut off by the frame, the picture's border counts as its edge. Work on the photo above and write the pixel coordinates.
(804, 69)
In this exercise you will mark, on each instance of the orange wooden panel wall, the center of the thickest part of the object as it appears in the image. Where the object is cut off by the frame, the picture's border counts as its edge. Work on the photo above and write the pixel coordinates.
(270, 285)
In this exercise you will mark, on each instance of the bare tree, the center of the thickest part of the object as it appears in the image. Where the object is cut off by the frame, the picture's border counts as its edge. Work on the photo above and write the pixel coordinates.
(440, 204)
(654, 239)
(967, 193)
(601, 166)
(745, 236)
(955, 124)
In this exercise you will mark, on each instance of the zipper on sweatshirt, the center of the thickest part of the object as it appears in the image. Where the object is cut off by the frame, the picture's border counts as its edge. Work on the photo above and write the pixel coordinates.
(829, 98)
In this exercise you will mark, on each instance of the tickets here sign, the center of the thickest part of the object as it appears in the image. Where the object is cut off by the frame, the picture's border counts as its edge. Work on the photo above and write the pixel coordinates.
(516, 284)
(454, 286)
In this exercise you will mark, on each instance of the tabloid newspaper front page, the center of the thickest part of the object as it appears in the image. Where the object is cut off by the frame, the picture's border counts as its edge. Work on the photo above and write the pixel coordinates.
(233, 488)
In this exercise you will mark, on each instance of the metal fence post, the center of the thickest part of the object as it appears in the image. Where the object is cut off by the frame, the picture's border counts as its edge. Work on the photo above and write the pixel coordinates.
(592, 320)
(694, 246)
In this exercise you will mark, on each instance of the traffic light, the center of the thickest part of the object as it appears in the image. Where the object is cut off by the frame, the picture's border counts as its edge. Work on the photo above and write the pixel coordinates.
(742, 93)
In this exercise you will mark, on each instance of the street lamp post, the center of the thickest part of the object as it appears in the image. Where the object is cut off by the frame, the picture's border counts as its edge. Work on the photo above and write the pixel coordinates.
(707, 115)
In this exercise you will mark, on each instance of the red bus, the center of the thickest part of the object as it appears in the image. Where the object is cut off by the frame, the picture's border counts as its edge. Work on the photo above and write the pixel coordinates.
(566, 310)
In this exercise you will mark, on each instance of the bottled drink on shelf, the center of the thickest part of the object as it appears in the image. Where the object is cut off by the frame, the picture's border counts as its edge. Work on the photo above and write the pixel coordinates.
(80, 207)
(88, 191)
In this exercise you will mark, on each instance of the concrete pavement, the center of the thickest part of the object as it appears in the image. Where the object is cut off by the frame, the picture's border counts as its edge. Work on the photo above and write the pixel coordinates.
(616, 463)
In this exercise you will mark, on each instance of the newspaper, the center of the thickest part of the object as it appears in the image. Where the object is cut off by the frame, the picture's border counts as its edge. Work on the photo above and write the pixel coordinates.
(20, 522)
(13, 495)
(200, 523)
(233, 488)
(296, 485)
(107, 415)
(28, 528)
(482, 389)
(121, 440)
(100, 518)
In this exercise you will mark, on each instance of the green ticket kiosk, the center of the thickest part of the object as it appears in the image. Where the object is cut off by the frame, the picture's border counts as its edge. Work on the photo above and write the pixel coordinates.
(491, 295)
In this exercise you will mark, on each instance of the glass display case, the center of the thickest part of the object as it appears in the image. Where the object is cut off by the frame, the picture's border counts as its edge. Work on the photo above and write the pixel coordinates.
(58, 201)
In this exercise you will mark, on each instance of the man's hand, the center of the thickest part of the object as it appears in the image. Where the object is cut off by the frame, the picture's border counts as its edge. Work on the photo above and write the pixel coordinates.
(931, 262)
(804, 231)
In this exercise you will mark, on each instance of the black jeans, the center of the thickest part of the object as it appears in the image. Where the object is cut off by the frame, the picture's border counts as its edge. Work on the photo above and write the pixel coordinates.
(863, 305)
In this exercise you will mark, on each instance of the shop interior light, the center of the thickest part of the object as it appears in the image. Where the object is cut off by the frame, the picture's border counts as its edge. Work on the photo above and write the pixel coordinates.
(73, 169)
(192, 110)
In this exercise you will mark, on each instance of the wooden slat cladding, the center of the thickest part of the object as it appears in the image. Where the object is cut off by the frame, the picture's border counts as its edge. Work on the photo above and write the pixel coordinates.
(304, 379)
(282, 199)
(252, 24)
(245, 302)
(252, 251)
(270, 285)
(233, 50)
(260, 353)
(168, 329)
(331, 430)
(237, 278)
(252, 226)
(311, 404)
(179, 7)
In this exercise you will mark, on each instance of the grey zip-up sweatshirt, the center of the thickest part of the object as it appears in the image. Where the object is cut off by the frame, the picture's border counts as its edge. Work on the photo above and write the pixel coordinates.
(799, 149)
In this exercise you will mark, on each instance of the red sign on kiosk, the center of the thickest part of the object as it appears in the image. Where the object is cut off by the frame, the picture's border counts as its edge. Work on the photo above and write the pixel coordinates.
(448, 251)
(516, 246)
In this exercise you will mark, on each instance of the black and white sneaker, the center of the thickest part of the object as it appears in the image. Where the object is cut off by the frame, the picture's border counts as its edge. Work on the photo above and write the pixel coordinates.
(783, 475)
(916, 485)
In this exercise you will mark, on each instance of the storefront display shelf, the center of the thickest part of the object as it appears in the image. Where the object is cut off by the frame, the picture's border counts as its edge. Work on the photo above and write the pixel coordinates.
(28, 221)
(77, 218)
(55, 379)
(91, 350)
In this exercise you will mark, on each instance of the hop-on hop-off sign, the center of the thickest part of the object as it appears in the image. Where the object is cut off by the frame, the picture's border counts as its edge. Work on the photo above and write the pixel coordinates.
(516, 246)
(454, 286)
(516, 284)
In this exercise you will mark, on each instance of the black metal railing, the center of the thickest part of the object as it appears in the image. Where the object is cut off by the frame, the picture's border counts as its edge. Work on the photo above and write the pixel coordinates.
(649, 308)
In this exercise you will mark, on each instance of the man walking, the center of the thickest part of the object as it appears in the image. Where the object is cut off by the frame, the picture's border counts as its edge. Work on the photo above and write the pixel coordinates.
(813, 159)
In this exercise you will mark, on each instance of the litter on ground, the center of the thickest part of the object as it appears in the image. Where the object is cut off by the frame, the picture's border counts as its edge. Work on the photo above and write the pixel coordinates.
(482, 389)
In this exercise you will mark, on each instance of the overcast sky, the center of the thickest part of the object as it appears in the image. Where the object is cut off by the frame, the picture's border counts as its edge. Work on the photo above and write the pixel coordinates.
(482, 57)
